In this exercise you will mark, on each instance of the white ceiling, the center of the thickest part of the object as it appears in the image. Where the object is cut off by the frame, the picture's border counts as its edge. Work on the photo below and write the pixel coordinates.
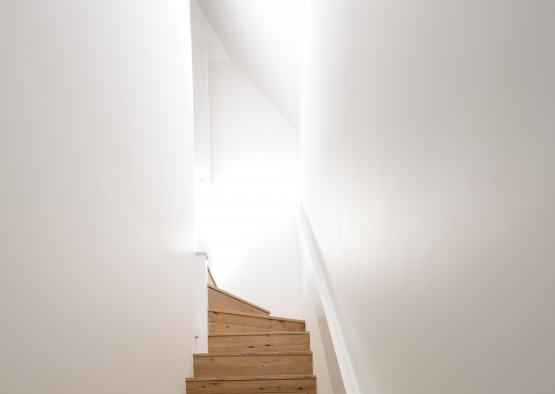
(203, 36)
(265, 38)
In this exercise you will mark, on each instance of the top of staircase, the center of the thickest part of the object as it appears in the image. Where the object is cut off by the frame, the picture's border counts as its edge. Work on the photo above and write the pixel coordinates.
(214, 288)
(222, 311)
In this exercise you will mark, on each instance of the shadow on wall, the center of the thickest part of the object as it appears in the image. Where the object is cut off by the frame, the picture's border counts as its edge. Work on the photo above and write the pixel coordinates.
(326, 364)
(329, 353)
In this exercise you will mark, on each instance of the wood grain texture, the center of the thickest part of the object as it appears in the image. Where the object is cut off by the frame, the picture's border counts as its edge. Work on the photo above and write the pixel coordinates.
(253, 364)
(259, 342)
(250, 351)
(227, 322)
(222, 300)
(263, 384)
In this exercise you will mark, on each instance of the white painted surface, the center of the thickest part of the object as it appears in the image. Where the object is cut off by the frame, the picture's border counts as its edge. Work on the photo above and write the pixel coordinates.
(204, 36)
(427, 150)
(206, 49)
(254, 152)
(324, 359)
(201, 302)
(96, 170)
(202, 115)
(333, 362)
(202, 144)
(264, 38)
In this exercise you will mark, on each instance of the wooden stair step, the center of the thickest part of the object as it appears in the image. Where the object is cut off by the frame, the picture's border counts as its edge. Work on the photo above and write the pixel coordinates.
(223, 300)
(305, 384)
(259, 342)
(221, 321)
(252, 364)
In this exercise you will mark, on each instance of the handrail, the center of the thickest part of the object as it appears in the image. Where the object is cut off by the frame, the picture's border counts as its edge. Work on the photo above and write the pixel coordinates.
(315, 260)
(211, 280)
(209, 272)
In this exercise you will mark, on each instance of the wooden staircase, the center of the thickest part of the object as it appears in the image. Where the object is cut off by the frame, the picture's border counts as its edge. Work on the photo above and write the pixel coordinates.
(250, 351)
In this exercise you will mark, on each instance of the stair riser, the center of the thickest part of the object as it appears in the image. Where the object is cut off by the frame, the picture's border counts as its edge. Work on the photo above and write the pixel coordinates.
(225, 323)
(219, 300)
(259, 343)
(253, 365)
(305, 386)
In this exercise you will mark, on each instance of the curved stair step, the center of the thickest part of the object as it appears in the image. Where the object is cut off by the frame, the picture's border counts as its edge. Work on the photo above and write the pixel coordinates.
(223, 300)
(221, 322)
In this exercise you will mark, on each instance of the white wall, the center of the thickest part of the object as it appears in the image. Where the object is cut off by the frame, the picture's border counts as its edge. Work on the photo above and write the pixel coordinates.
(254, 155)
(206, 49)
(96, 160)
(427, 151)
(265, 39)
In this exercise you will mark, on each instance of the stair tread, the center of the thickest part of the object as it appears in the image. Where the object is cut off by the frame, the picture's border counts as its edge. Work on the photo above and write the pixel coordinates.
(259, 342)
(239, 378)
(260, 333)
(238, 354)
(256, 316)
(245, 354)
(238, 298)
